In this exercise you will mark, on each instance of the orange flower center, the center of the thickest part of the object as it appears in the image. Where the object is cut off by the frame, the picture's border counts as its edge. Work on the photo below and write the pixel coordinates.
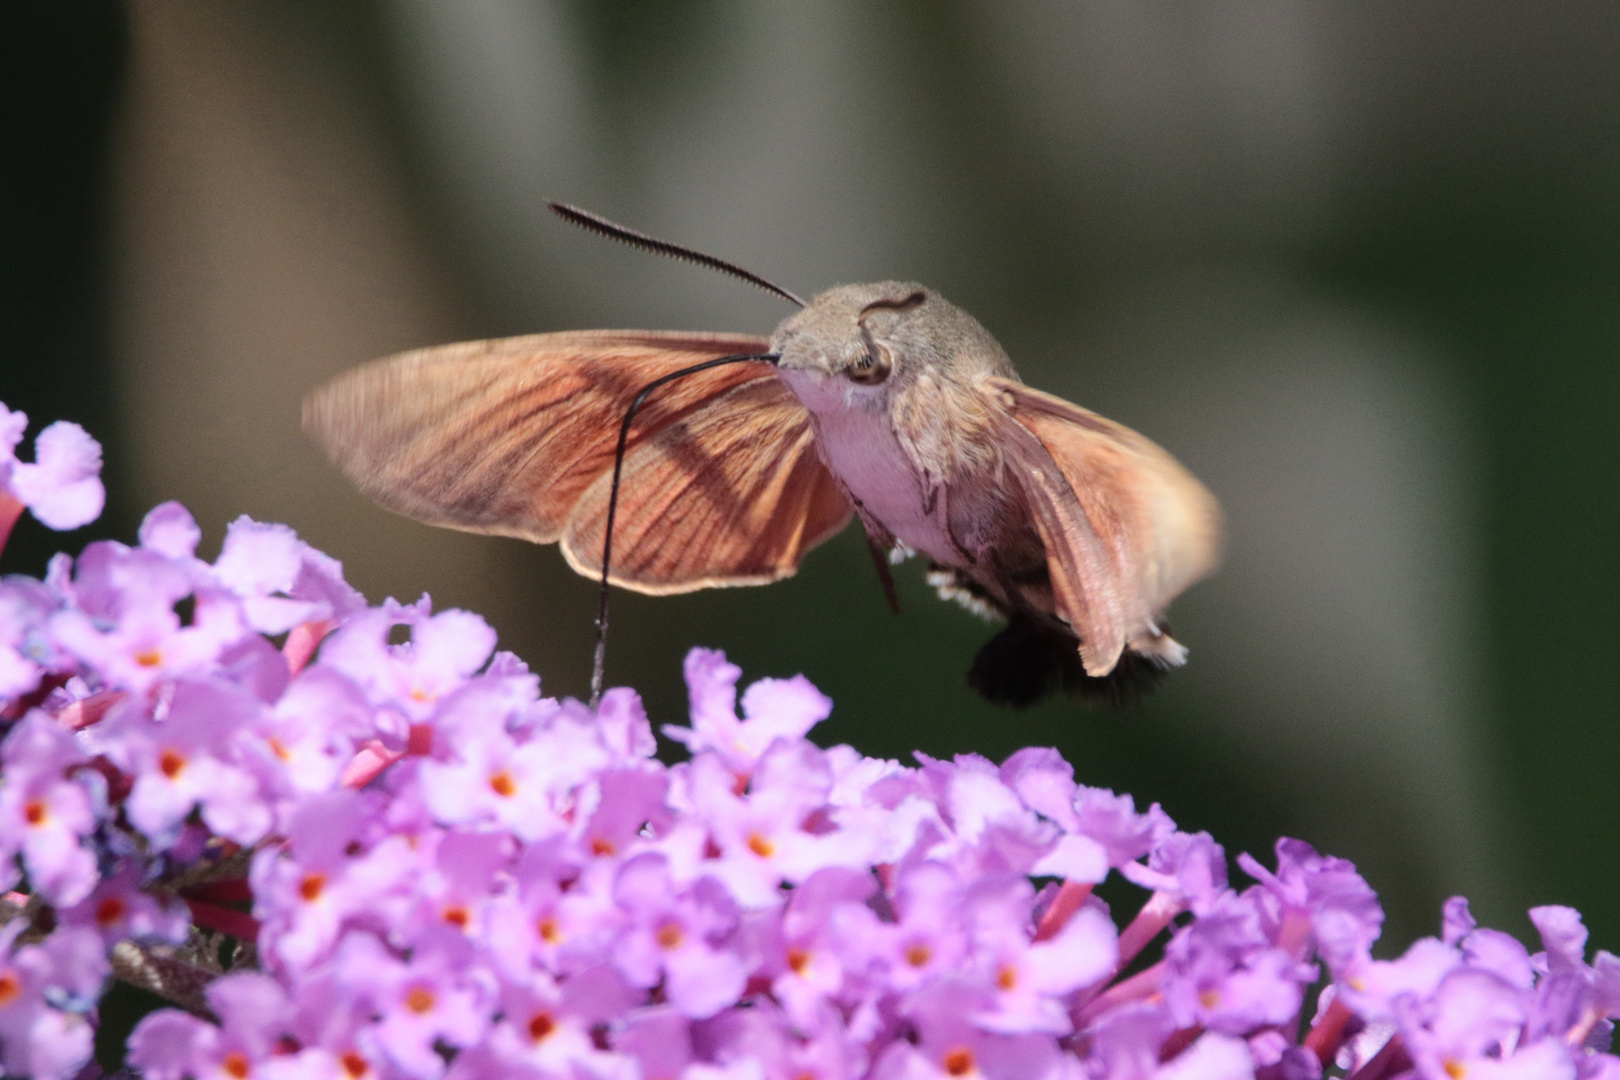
(540, 1025)
(760, 846)
(798, 960)
(457, 915)
(110, 912)
(958, 1061)
(149, 658)
(354, 1065)
(310, 888)
(170, 762)
(235, 1065)
(34, 812)
(668, 935)
(918, 954)
(550, 933)
(502, 785)
(10, 988)
(602, 846)
(419, 999)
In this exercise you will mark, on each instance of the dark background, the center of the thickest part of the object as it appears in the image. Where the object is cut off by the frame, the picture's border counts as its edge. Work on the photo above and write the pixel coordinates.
(1356, 265)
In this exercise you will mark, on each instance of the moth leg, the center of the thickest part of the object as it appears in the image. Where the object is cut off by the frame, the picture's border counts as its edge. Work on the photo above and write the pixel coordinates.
(880, 559)
(879, 542)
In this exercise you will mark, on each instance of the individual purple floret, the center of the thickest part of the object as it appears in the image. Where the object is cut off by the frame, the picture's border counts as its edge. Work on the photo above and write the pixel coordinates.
(352, 859)
(46, 811)
(61, 487)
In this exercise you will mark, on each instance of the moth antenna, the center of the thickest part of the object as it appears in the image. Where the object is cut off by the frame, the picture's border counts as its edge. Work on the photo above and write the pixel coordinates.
(614, 231)
(600, 658)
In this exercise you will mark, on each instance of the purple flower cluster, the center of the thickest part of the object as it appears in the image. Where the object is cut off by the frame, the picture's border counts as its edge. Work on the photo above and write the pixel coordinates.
(437, 872)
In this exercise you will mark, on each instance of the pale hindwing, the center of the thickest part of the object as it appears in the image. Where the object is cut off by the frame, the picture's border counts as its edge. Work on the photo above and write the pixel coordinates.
(732, 493)
(1146, 528)
(504, 436)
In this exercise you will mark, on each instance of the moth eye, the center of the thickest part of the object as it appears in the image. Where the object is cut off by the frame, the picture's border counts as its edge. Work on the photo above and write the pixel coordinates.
(871, 367)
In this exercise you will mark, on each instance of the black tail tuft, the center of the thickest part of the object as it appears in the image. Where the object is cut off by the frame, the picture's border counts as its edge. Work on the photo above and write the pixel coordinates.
(1027, 661)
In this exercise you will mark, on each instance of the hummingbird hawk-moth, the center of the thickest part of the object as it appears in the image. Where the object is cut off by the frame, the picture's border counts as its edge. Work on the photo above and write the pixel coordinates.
(737, 454)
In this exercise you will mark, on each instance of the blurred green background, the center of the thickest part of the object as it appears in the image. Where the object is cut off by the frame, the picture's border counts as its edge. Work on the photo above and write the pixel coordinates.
(1357, 265)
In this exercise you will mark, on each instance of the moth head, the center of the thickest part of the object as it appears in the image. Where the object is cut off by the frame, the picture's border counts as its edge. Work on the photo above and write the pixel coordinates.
(865, 341)
(850, 333)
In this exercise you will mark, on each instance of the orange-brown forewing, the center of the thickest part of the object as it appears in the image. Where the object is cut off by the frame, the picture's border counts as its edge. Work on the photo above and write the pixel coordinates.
(734, 493)
(516, 437)
(1126, 528)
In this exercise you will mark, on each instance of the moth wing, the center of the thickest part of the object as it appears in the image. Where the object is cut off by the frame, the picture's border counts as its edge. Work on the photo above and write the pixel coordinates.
(1086, 588)
(1126, 527)
(507, 436)
(733, 493)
